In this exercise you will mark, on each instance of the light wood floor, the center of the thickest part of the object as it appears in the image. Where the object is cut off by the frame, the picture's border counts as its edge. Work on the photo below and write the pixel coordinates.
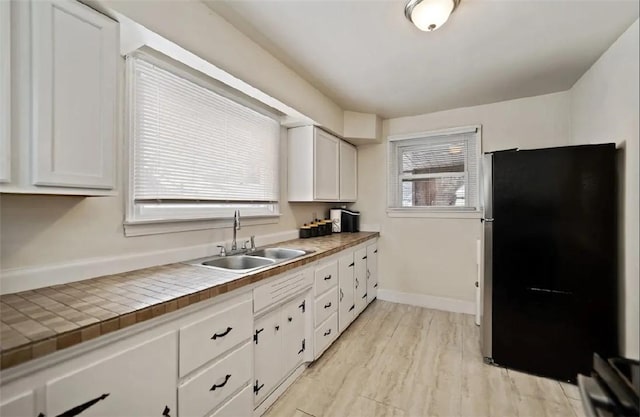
(399, 360)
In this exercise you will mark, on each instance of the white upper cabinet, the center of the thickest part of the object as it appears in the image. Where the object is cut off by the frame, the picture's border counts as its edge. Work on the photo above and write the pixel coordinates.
(315, 166)
(75, 52)
(348, 172)
(64, 88)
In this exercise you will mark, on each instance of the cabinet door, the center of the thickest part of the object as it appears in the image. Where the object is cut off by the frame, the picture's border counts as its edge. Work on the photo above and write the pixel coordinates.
(267, 352)
(326, 149)
(293, 337)
(75, 52)
(20, 406)
(346, 294)
(5, 91)
(348, 172)
(360, 279)
(372, 272)
(140, 381)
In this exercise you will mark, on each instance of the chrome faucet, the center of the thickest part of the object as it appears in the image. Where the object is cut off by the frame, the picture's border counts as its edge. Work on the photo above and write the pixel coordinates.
(236, 227)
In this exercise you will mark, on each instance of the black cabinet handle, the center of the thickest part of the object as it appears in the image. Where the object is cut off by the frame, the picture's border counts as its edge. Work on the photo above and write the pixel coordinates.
(357, 283)
(368, 274)
(341, 294)
(257, 388)
(327, 278)
(80, 408)
(290, 319)
(375, 251)
(364, 257)
(303, 346)
(351, 264)
(375, 285)
(41, 415)
(255, 336)
(327, 305)
(364, 296)
(166, 411)
(226, 379)
(277, 327)
(223, 334)
(327, 333)
(352, 307)
(303, 306)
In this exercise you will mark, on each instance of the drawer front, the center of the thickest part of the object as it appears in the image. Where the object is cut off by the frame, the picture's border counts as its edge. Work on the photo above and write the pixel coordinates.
(240, 405)
(281, 288)
(325, 334)
(203, 393)
(208, 338)
(326, 305)
(326, 277)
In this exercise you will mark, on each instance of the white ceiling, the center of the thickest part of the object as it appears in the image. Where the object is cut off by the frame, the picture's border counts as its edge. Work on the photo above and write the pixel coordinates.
(367, 57)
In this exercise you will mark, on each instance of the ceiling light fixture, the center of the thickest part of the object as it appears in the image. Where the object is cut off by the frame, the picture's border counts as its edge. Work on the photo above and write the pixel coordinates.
(429, 15)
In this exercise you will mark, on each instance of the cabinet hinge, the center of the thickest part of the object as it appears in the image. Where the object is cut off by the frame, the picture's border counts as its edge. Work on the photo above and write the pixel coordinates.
(303, 306)
(255, 336)
(257, 388)
(303, 346)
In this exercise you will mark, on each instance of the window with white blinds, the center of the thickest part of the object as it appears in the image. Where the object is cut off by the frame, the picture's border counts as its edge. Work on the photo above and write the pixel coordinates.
(196, 154)
(436, 171)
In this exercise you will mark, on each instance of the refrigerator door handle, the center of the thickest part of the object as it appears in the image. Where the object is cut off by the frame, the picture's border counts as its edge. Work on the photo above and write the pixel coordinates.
(487, 220)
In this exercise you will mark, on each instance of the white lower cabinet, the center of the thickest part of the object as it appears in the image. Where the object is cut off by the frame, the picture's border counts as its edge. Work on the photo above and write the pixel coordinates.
(279, 345)
(346, 291)
(240, 405)
(140, 381)
(210, 388)
(326, 333)
(20, 406)
(372, 272)
(360, 259)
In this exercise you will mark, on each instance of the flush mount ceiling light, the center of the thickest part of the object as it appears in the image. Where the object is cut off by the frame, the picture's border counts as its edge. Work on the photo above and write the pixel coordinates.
(429, 15)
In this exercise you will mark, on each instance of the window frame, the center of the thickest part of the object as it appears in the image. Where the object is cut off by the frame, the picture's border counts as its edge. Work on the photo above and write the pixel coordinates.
(394, 177)
(177, 219)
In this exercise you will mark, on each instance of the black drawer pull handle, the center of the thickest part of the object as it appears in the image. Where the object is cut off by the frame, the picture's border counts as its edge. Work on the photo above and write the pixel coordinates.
(364, 257)
(166, 411)
(226, 379)
(290, 319)
(357, 283)
(327, 333)
(327, 278)
(375, 285)
(375, 251)
(341, 294)
(277, 327)
(223, 334)
(327, 305)
(351, 264)
(364, 296)
(352, 307)
(80, 408)
(257, 388)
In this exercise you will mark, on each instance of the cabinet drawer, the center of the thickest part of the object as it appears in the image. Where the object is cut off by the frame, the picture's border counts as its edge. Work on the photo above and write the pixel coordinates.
(205, 339)
(281, 288)
(240, 405)
(326, 305)
(203, 393)
(325, 334)
(326, 277)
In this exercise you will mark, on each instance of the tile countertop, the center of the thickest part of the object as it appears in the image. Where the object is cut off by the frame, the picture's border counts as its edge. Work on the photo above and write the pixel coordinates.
(42, 321)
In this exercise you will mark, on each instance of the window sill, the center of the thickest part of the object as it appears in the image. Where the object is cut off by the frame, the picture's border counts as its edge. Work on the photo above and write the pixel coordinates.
(436, 214)
(132, 228)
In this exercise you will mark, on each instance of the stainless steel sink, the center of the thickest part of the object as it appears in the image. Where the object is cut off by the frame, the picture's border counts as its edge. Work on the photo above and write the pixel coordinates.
(239, 263)
(278, 253)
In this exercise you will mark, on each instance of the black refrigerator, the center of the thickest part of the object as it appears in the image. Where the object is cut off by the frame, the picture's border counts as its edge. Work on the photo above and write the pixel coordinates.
(550, 259)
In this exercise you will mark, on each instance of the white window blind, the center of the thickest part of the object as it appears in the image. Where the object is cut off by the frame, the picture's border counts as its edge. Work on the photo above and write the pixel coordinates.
(435, 172)
(195, 153)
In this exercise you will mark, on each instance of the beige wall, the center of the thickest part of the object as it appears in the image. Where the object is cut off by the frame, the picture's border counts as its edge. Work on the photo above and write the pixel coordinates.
(40, 231)
(436, 256)
(214, 39)
(604, 108)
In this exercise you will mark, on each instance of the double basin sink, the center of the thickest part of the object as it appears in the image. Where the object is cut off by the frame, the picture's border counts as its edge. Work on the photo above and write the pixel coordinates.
(251, 261)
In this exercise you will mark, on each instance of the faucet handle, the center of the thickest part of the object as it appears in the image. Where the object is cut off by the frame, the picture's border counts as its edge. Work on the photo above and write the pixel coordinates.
(244, 244)
(223, 250)
(253, 242)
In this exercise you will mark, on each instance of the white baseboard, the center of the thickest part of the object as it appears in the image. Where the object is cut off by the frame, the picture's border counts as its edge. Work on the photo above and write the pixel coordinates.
(22, 279)
(428, 301)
